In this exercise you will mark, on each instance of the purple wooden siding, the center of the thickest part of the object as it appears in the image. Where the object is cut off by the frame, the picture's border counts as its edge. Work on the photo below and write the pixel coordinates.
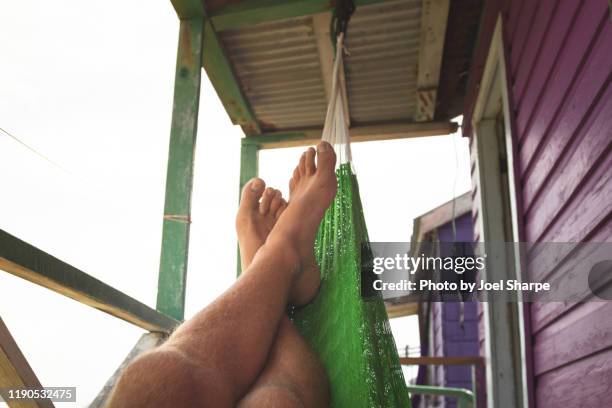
(560, 65)
(450, 336)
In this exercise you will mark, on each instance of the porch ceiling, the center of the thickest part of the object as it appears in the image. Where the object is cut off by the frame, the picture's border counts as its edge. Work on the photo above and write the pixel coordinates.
(279, 55)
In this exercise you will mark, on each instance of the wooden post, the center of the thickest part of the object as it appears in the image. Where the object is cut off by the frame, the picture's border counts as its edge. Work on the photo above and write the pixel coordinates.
(179, 179)
(249, 168)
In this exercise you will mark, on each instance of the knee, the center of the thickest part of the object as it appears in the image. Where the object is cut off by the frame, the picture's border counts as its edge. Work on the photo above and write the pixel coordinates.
(158, 378)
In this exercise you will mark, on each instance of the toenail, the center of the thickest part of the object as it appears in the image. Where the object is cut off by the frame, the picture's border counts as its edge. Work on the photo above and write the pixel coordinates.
(256, 185)
(322, 147)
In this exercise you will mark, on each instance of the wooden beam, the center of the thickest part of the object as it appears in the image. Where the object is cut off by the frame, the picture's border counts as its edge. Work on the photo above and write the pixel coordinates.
(249, 168)
(310, 137)
(22, 259)
(221, 75)
(434, 16)
(446, 361)
(321, 23)
(147, 341)
(245, 13)
(15, 371)
(401, 309)
(443, 214)
(179, 179)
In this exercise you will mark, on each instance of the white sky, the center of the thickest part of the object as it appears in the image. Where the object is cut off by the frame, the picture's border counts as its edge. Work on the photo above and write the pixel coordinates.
(89, 85)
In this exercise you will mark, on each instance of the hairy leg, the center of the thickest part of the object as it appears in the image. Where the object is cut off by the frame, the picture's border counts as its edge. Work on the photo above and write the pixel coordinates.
(293, 375)
(214, 358)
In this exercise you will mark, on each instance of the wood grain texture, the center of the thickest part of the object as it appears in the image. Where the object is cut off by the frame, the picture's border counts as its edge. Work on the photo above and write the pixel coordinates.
(584, 384)
(534, 121)
(309, 137)
(533, 48)
(22, 259)
(574, 336)
(171, 288)
(552, 47)
(581, 107)
(15, 371)
(561, 71)
(523, 31)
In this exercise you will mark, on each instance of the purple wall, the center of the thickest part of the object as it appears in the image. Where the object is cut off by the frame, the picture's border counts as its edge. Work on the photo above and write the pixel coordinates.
(560, 68)
(450, 336)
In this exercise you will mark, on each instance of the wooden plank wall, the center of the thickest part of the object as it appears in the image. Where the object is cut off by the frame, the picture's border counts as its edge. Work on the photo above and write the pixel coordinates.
(560, 64)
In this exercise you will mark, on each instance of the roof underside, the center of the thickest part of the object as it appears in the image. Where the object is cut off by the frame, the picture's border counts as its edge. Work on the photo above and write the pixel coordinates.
(278, 67)
(283, 66)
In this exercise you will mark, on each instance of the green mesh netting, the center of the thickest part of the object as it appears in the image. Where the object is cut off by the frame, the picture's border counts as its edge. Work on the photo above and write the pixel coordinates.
(351, 335)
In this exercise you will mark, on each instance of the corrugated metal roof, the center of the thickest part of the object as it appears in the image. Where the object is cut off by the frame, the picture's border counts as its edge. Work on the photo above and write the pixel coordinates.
(277, 65)
(279, 70)
(381, 67)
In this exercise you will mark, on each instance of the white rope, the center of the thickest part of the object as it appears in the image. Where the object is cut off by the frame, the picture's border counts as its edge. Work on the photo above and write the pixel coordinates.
(335, 130)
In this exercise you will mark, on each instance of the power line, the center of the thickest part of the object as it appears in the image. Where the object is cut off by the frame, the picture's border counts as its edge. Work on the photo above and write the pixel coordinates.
(36, 152)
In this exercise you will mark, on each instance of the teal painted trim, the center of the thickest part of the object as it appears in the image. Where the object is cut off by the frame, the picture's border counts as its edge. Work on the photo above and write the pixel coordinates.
(249, 168)
(179, 180)
(187, 9)
(245, 13)
(221, 74)
(28, 262)
(465, 398)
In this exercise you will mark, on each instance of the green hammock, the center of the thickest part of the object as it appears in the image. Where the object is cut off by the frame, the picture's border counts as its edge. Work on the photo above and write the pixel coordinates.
(351, 335)
(347, 328)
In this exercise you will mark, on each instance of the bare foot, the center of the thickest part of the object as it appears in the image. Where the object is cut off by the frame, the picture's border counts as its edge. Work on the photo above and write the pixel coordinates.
(313, 187)
(256, 218)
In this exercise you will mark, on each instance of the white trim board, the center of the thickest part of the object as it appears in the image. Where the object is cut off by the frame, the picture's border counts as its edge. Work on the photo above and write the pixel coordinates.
(499, 221)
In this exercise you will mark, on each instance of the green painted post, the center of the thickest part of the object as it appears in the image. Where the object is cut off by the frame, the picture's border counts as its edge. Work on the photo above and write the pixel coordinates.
(249, 168)
(179, 179)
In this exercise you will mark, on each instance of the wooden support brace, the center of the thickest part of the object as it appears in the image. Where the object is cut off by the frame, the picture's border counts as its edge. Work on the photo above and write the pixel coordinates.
(22, 259)
(434, 16)
(179, 179)
(147, 341)
(221, 75)
(310, 137)
(249, 168)
(15, 372)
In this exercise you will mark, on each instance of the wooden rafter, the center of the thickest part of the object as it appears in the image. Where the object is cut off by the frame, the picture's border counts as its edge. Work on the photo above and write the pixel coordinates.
(221, 74)
(25, 261)
(15, 371)
(434, 16)
(310, 137)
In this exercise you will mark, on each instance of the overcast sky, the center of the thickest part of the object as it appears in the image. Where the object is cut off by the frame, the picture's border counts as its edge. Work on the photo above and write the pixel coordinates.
(89, 85)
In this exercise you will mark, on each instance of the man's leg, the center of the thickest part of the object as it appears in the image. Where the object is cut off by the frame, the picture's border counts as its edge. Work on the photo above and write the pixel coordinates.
(213, 359)
(293, 376)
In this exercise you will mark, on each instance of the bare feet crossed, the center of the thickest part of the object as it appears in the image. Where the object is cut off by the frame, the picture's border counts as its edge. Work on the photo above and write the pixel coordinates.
(312, 189)
(256, 218)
